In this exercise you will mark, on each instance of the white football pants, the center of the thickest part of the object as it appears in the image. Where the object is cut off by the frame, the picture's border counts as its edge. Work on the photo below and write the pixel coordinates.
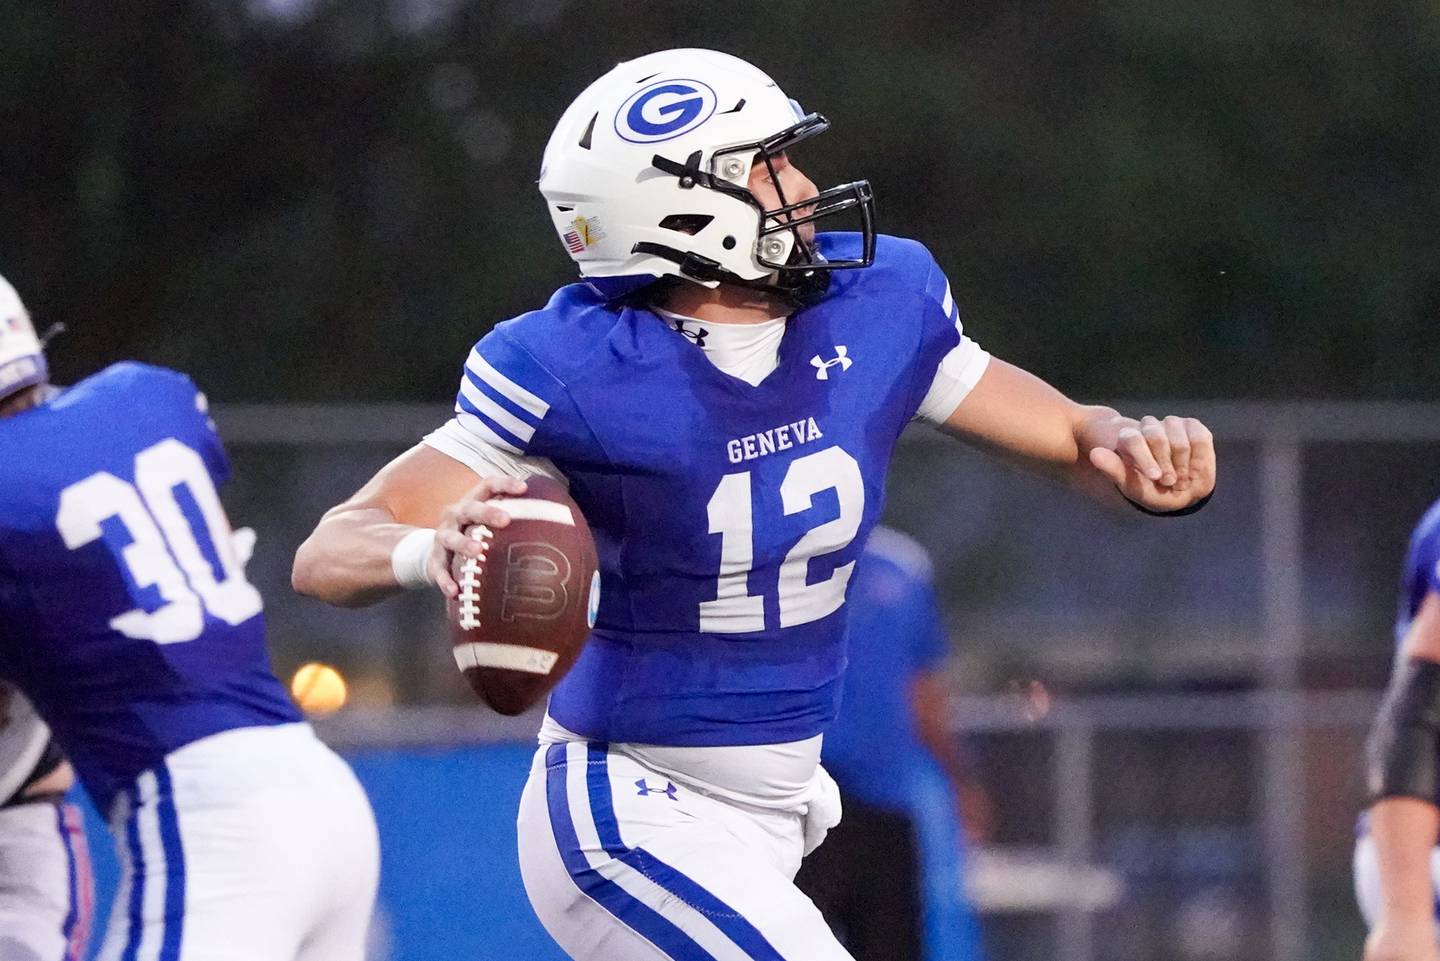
(623, 864)
(257, 844)
(46, 894)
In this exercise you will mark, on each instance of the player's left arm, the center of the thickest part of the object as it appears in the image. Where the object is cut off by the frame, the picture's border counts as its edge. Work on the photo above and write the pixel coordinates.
(929, 706)
(1163, 464)
(1404, 819)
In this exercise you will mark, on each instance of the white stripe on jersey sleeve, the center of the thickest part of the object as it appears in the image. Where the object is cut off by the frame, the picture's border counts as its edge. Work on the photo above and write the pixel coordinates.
(482, 431)
(495, 412)
(948, 304)
(958, 373)
(512, 391)
(459, 441)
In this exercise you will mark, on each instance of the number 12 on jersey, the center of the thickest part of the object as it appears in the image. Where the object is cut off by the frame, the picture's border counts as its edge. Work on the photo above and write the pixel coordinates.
(731, 513)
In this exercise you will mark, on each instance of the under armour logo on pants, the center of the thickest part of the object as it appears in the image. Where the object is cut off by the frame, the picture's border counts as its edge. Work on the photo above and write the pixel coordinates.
(646, 790)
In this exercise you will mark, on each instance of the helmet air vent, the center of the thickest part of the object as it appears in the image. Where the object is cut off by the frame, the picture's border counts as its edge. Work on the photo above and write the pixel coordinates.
(690, 224)
(589, 132)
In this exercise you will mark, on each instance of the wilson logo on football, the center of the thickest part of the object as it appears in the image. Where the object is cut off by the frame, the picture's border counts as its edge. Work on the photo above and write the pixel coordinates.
(664, 110)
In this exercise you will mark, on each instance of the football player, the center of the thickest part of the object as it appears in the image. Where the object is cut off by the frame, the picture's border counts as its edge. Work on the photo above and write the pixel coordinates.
(126, 619)
(47, 896)
(1397, 866)
(884, 879)
(722, 395)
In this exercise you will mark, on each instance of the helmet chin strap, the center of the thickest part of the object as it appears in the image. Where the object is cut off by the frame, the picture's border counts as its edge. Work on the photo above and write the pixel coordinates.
(797, 287)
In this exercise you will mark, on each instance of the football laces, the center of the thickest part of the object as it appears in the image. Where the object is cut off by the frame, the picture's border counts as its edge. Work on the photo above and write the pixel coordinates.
(471, 571)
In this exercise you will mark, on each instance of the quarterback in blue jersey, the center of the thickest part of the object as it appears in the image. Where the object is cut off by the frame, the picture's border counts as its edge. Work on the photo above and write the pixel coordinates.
(126, 619)
(1397, 865)
(722, 396)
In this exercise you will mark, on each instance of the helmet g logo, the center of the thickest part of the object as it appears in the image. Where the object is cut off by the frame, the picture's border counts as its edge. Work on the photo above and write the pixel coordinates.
(664, 110)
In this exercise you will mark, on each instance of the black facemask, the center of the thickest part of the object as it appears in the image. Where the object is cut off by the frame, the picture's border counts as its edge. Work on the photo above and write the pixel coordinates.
(804, 277)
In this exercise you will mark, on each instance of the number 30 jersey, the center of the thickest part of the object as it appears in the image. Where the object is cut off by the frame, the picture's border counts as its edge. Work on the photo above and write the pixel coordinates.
(125, 614)
(728, 516)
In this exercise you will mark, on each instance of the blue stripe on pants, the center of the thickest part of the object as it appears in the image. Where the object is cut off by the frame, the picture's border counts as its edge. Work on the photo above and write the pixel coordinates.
(630, 911)
(137, 877)
(72, 878)
(724, 917)
(174, 866)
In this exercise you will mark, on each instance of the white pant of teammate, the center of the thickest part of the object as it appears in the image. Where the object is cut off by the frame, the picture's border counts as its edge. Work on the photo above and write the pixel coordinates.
(1367, 877)
(257, 844)
(46, 897)
(623, 864)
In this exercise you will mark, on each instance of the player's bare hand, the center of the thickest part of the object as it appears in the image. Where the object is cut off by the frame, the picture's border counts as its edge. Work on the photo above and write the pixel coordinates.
(1163, 465)
(474, 509)
(1403, 942)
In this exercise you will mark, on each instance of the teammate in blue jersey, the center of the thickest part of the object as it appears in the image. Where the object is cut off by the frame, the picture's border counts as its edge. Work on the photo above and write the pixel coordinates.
(1397, 865)
(126, 619)
(722, 395)
(886, 881)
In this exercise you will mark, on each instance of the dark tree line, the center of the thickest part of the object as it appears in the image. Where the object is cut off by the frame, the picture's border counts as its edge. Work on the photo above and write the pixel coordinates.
(331, 199)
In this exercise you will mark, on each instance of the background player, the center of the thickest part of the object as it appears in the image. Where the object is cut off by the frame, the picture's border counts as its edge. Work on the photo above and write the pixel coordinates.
(126, 618)
(869, 877)
(723, 409)
(1397, 867)
(47, 894)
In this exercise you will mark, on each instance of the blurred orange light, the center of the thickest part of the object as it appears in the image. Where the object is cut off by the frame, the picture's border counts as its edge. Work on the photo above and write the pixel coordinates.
(319, 689)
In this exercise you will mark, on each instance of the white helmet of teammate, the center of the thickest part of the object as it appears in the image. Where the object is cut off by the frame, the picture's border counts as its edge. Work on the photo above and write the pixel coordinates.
(22, 358)
(645, 176)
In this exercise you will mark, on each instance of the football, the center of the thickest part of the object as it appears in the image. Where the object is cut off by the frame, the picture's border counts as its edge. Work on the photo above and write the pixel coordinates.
(524, 611)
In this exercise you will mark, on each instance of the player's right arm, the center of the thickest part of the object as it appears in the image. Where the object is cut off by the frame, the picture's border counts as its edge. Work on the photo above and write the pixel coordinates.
(380, 541)
(350, 558)
(1404, 821)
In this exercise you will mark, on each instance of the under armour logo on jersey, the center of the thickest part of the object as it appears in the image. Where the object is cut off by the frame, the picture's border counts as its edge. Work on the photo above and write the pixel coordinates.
(698, 334)
(646, 790)
(822, 367)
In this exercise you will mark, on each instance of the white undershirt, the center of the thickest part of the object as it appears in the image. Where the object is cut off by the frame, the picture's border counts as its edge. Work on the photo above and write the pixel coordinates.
(765, 775)
(747, 351)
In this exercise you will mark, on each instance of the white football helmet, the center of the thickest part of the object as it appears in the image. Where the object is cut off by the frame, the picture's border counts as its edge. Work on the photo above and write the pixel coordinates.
(22, 358)
(646, 176)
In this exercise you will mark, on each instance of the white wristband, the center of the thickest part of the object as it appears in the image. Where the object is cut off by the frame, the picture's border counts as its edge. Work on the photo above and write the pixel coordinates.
(408, 558)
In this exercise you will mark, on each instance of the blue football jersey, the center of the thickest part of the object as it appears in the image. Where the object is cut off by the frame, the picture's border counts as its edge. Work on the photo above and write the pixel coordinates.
(728, 517)
(1422, 569)
(895, 635)
(125, 614)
